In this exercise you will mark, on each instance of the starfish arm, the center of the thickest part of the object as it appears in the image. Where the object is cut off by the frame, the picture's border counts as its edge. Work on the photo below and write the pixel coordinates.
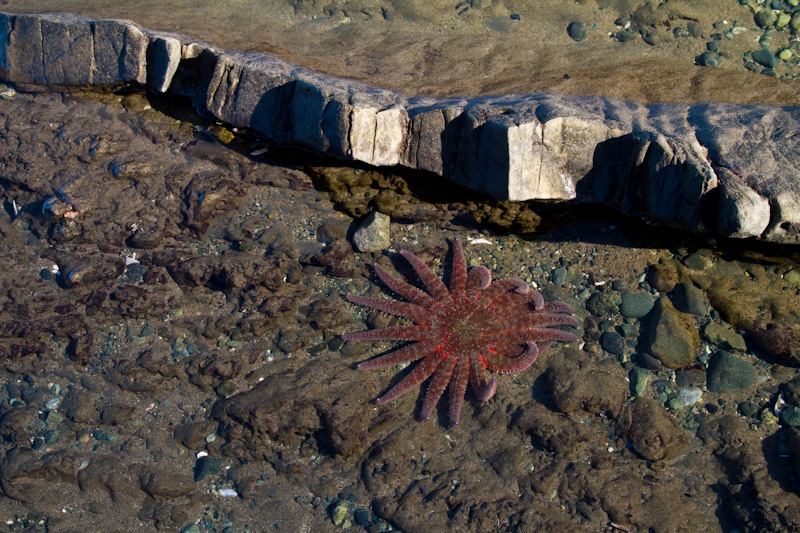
(420, 373)
(483, 387)
(500, 287)
(458, 274)
(508, 345)
(406, 290)
(432, 282)
(484, 393)
(517, 300)
(457, 389)
(393, 333)
(477, 280)
(558, 307)
(411, 311)
(538, 320)
(512, 365)
(436, 387)
(406, 354)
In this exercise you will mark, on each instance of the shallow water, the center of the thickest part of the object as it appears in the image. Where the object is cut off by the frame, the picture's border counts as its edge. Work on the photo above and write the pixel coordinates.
(221, 335)
(476, 47)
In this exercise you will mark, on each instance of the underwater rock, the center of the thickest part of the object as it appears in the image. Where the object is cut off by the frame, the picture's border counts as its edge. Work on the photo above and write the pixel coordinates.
(671, 336)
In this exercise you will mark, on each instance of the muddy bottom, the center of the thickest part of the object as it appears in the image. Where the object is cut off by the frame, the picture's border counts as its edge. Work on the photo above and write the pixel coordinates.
(171, 359)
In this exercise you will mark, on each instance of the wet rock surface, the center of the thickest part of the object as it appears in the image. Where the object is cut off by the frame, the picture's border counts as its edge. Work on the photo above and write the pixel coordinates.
(197, 381)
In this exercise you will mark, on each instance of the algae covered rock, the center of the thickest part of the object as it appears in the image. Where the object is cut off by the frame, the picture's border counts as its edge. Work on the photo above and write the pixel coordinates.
(655, 435)
(671, 336)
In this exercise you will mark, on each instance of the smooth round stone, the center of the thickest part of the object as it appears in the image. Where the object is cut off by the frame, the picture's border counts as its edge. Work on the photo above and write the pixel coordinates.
(785, 54)
(636, 305)
(639, 378)
(795, 22)
(793, 276)
(613, 342)
(626, 36)
(765, 58)
(577, 30)
(559, 276)
(649, 362)
(766, 18)
(708, 59)
(695, 262)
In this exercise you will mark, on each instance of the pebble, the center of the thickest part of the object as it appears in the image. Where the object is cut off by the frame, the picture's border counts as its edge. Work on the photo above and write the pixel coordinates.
(793, 276)
(206, 466)
(690, 397)
(765, 18)
(625, 36)
(559, 276)
(373, 233)
(727, 372)
(765, 58)
(708, 59)
(719, 334)
(689, 299)
(747, 408)
(639, 378)
(645, 360)
(636, 305)
(613, 342)
(790, 416)
(362, 517)
(695, 262)
(602, 303)
(339, 513)
(577, 30)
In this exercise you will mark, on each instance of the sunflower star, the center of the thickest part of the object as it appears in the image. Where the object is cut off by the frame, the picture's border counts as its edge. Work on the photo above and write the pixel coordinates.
(461, 331)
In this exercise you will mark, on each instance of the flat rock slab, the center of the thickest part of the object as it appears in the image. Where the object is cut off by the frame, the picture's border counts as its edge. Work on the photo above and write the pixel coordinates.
(719, 168)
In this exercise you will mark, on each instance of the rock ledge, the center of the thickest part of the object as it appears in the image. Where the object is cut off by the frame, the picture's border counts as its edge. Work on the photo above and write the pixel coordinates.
(720, 168)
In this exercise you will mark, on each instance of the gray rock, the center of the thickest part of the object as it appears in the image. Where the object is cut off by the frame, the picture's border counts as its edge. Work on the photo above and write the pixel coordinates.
(671, 336)
(163, 58)
(689, 299)
(727, 372)
(613, 342)
(636, 305)
(373, 233)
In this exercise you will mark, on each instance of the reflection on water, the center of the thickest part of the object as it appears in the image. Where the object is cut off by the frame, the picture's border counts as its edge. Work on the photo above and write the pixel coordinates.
(632, 50)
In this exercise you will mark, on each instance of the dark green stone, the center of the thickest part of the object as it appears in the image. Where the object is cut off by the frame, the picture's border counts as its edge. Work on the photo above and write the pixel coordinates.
(708, 59)
(626, 36)
(577, 30)
(727, 372)
(765, 58)
(765, 18)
